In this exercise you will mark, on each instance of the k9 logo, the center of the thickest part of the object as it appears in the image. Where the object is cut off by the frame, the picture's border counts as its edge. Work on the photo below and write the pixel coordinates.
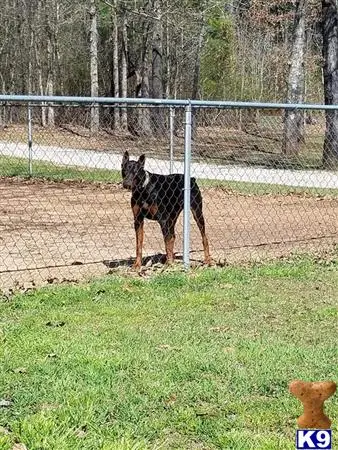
(314, 439)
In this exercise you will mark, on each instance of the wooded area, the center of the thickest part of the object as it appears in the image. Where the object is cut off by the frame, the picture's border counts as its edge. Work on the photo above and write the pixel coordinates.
(209, 49)
(235, 49)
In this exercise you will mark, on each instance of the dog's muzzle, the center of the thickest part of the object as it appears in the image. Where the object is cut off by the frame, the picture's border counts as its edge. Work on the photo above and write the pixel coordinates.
(126, 185)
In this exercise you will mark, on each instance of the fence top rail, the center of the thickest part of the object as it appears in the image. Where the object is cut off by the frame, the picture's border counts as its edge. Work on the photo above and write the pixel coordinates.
(159, 102)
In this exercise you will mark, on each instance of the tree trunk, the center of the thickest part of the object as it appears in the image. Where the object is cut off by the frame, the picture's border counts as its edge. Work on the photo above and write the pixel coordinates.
(196, 79)
(157, 82)
(294, 119)
(59, 77)
(167, 54)
(51, 69)
(157, 64)
(115, 65)
(94, 81)
(3, 108)
(330, 56)
(124, 72)
(50, 79)
(30, 50)
(197, 67)
(144, 114)
(40, 82)
(37, 47)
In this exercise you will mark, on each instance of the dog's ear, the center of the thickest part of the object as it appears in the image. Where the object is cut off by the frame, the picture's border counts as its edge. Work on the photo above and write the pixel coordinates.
(125, 157)
(142, 160)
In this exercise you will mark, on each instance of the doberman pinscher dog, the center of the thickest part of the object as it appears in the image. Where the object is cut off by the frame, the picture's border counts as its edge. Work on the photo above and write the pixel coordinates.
(160, 198)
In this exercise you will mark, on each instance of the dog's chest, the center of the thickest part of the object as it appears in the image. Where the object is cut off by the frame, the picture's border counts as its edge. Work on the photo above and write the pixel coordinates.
(148, 204)
(150, 210)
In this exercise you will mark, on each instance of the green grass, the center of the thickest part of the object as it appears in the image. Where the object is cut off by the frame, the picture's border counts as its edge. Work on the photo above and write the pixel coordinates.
(10, 167)
(187, 361)
(19, 167)
(242, 187)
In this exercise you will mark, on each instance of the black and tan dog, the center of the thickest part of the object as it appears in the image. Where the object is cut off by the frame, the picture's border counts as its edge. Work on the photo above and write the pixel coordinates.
(160, 198)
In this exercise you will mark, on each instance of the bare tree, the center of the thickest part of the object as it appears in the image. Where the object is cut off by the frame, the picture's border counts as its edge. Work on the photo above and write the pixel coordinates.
(124, 71)
(157, 44)
(50, 76)
(197, 66)
(30, 48)
(94, 80)
(38, 61)
(167, 34)
(294, 119)
(115, 62)
(157, 77)
(144, 113)
(157, 66)
(196, 79)
(330, 55)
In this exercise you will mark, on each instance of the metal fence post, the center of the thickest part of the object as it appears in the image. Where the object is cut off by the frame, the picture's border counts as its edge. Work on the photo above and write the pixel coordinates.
(172, 117)
(30, 140)
(187, 188)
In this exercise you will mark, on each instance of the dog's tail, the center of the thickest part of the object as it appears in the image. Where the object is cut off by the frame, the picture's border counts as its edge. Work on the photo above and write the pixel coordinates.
(193, 183)
(194, 186)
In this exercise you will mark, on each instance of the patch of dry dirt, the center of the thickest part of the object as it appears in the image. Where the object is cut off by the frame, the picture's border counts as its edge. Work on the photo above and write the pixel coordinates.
(71, 230)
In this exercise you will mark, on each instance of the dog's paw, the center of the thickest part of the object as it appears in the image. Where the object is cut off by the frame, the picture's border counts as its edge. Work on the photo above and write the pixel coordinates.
(137, 265)
(208, 261)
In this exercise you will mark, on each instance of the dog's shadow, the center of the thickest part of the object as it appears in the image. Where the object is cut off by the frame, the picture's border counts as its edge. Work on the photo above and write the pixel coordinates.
(158, 258)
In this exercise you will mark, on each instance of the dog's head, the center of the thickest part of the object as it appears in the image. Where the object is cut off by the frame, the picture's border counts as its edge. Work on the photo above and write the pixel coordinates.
(132, 171)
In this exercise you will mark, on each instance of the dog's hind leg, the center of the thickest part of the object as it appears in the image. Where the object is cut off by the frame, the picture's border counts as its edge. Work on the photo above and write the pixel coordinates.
(168, 231)
(197, 211)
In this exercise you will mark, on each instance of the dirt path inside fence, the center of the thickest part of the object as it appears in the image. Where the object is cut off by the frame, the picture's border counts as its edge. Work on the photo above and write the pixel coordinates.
(70, 231)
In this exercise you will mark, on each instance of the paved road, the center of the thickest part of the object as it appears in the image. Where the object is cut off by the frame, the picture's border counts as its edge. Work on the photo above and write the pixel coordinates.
(110, 160)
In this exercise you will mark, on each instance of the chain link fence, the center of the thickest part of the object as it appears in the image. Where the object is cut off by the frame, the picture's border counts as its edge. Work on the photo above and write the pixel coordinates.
(65, 214)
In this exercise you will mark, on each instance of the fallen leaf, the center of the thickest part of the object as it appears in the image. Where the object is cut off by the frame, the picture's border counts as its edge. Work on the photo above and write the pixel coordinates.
(164, 347)
(149, 263)
(48, 406)
(81, 432)
(4, 430)
(69, 280)
(221, 262)
(57, 323)
(5, 403)
(128, 288)
(171, 400)
(20, 370)
(52, 280)
(100, 291)
(206, 411)
(226, 286)
(228, 349)
(219, 329)
(19, 446)
(6, 294)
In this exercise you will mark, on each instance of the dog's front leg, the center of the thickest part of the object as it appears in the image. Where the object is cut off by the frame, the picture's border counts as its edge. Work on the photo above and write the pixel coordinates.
(138, 225)
(139, 242)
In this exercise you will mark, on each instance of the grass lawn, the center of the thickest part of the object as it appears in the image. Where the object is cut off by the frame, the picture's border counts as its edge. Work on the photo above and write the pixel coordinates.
(187, 361)
(10, 166)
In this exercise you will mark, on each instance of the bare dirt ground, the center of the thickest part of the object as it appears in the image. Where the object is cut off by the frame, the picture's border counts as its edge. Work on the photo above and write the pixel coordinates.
(70, 231)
